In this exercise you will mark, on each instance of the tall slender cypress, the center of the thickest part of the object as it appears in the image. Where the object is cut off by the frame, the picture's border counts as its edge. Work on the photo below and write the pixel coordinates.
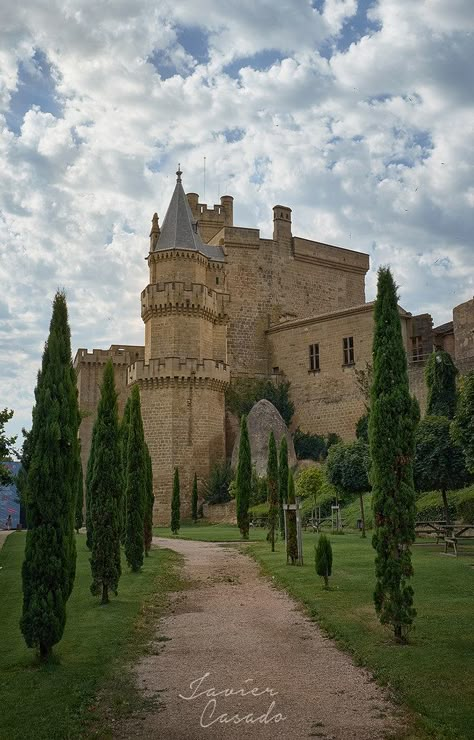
(244, 480)
(282, 482)
(124, 430)
(440, 375)
(135, 486)
(392, 426)
(463, 427)
(106, 492)
(292, 543)
(194, 499)
(149, 502)
(272, 484)
(50, 554)
(175, 504)
(89, 471)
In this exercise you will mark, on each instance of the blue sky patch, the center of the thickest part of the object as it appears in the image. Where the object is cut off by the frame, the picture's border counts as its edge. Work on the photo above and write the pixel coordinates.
(35, 87)
(357, 26)
(195, 42)
(260, 61)
(233, 134)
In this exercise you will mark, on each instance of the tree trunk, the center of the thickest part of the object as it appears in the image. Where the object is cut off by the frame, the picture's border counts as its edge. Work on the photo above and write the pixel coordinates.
(45, 652)
(445, 506)
(362, 514)
(326, 581)
(105, 594)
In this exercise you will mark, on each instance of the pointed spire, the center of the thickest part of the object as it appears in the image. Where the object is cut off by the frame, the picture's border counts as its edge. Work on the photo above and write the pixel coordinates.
(178, 173)
(155, 232)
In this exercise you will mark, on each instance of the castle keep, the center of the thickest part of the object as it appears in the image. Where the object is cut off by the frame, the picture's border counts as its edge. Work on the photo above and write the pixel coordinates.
(223, 303)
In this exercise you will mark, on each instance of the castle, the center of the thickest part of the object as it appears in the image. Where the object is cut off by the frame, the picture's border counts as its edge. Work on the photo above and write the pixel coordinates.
(223, 303)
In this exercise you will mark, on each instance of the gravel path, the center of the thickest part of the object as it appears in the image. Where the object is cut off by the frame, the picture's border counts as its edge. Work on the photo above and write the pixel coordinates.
(234, 631)
(3, 535)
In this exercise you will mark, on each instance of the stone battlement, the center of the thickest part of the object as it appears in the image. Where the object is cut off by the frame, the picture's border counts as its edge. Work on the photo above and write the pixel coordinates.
(119, 354)
(164, 296)
(176, 368)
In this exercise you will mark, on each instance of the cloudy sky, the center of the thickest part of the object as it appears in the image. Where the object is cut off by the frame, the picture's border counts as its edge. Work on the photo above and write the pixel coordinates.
(356, 113)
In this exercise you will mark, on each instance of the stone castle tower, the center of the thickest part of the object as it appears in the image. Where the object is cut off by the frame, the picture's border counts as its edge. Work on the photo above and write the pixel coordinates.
(222, 303)
(184, 372)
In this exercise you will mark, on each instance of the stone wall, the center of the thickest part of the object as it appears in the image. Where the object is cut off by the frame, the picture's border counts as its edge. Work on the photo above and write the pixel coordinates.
(220, 513)
(463, 322)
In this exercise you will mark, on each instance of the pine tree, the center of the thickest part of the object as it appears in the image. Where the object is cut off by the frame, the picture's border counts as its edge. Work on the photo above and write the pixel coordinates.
(106, 492)
(124, 430)
(463, 426)
(272, 483)
(291, 533)
(135, 486)
(50, 554)
(440, 375)
(149, 502)
(175, 504)
(392, 426)
(79, 518)
(89, 471)
(194, 500)
(282, 483)
(244, 480)
(323, 558)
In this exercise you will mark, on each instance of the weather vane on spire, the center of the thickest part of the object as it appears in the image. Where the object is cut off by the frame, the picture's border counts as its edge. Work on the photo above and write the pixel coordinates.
(179, 173)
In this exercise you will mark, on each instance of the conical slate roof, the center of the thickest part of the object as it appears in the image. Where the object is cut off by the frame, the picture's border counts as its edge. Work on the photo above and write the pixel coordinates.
(179, 229)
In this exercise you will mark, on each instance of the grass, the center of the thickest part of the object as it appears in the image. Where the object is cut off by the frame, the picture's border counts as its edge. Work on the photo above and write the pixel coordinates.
(210, 532)
(59, 700)
(434, 674)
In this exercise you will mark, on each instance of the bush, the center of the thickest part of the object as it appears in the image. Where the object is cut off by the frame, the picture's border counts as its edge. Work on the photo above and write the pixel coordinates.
(245, 392)
(362, 429)
(259, 491)
(313, 446)
(216, 488)
(323, 558)
(308, 484)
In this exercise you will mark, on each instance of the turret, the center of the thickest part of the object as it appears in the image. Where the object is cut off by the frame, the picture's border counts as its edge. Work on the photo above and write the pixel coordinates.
(281, 223)
(155, 232)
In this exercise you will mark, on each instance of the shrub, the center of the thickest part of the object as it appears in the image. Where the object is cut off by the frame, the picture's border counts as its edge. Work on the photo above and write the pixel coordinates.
(323, 558)
(313, 446)
(245, 392)
(259, 491)
(216, 488)
(362, 429)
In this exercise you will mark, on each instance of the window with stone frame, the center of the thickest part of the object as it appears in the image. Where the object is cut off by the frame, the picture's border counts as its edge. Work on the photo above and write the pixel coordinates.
(314, 358)
(348, 350)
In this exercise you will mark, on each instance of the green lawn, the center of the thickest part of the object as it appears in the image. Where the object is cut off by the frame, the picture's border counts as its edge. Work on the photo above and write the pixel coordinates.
(434, 674)
(210, 532)
(58, 700)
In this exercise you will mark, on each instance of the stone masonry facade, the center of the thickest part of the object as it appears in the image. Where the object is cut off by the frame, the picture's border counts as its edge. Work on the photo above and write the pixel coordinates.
(223, 303)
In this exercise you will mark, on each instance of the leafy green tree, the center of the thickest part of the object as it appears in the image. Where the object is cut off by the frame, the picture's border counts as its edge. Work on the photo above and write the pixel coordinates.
(6, 448)
(323, 558)
(347, 469)
(244, 393)
(78, 518)
(135, 487)
(194, 500)
(282, 482)
(392, 426)
(149, 503)
(309, 483)
(105, 496)
(272, 483)
(440, 375)
(439, 462)
(292, 544)
(124, 431)
(244, 479)
(176, 504)
(50, 555)
(463, 427)
(216, 488)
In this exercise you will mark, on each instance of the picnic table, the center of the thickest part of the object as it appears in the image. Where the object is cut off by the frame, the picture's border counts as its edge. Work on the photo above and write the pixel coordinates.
(449, 533)
(315, 524)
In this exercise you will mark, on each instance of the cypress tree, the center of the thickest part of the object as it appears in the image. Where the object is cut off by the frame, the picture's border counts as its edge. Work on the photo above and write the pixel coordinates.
(194, 499)
(292, 544)
(89, 471)
(463, 426)
(124, 430)
(79, 519)
(105, 492)
(50, 554)
(135, 486)
(282, 483)
(272, 483)
(440, 375)
(392, 426)
(175, 504)
(244, 480)
(323, 558)
(149, 502)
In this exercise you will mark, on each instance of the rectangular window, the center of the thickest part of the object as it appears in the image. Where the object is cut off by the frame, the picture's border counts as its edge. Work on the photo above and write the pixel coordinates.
(417, 348)
(348, 346)
(314, 357)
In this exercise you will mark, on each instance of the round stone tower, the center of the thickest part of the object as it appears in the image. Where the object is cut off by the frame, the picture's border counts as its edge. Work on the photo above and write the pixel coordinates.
(184, 373)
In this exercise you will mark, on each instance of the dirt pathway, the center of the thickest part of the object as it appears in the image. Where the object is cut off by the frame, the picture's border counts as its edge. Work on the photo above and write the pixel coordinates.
(234, 631)
(3, 535)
